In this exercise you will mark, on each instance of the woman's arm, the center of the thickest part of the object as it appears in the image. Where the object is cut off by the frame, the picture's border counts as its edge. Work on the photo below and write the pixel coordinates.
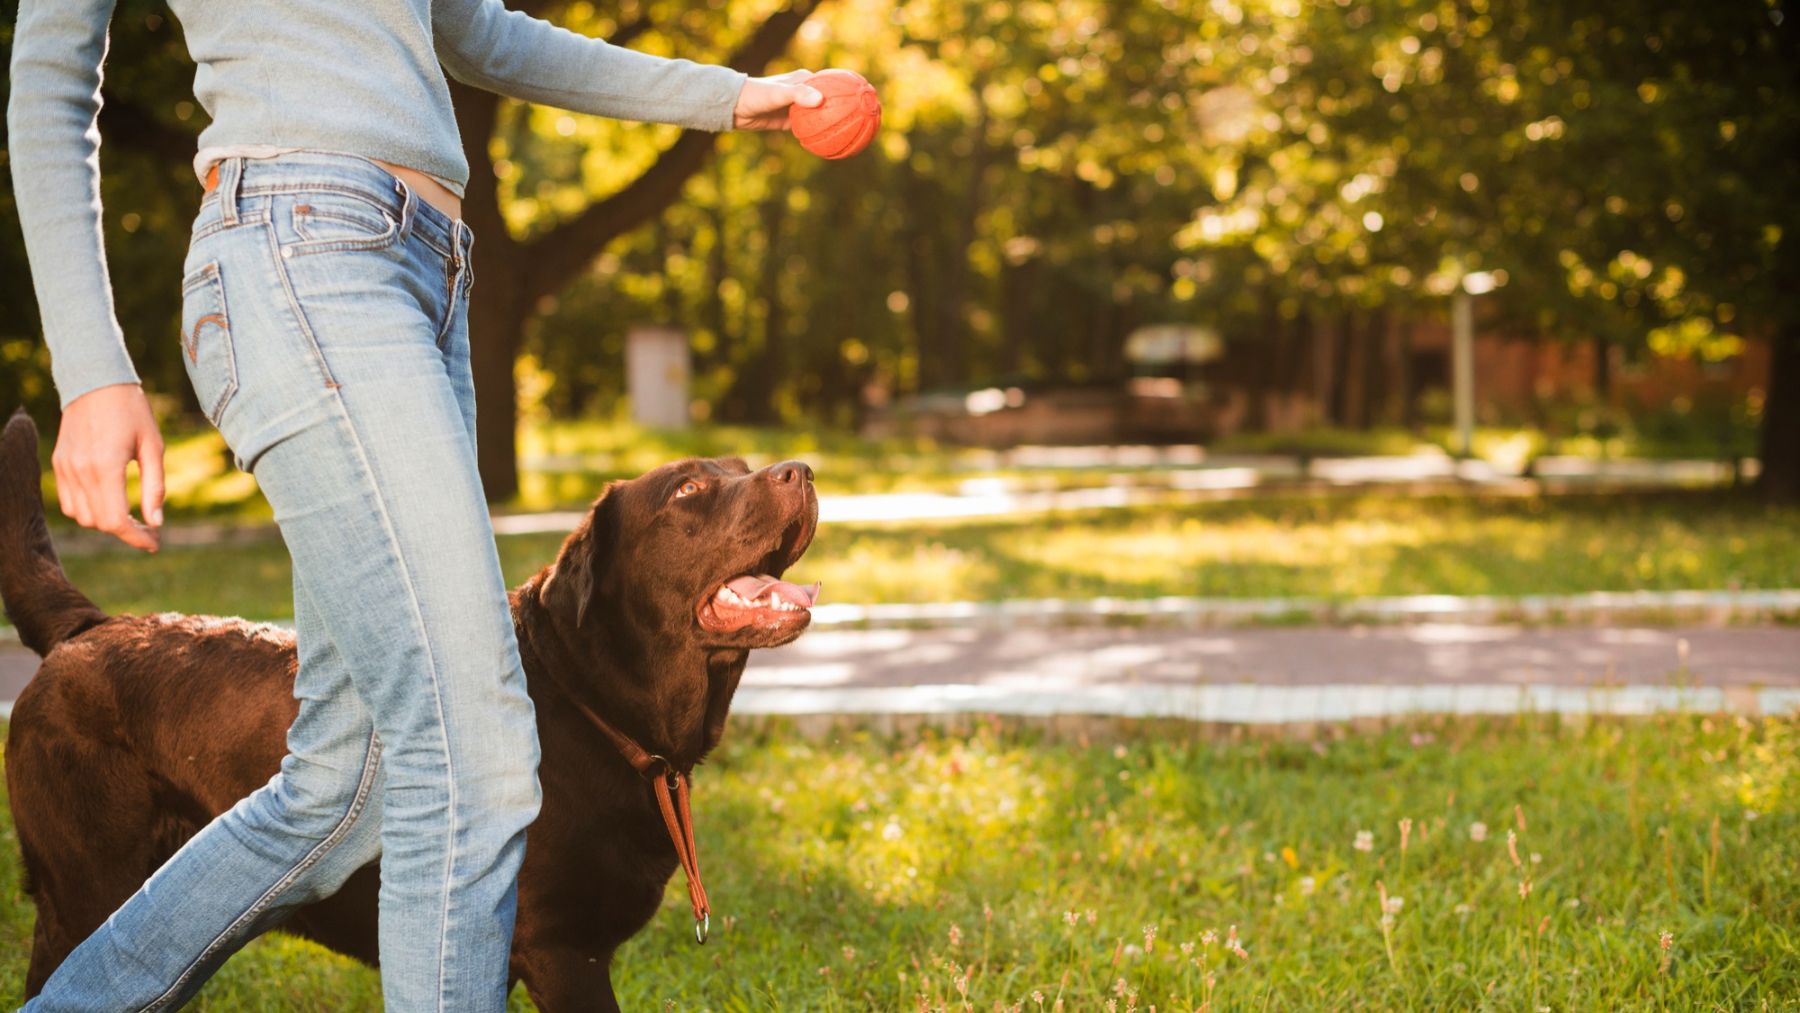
(482, 43)
(53, 142)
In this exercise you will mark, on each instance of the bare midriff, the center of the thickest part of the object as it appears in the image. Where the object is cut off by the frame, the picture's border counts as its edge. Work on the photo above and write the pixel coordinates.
(435, 193)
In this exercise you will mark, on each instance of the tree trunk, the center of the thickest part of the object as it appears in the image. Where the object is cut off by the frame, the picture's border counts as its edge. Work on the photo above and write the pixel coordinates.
(1780, 479)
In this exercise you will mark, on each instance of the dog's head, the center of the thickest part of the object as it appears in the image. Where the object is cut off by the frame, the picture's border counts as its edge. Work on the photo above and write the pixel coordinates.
(693, 552)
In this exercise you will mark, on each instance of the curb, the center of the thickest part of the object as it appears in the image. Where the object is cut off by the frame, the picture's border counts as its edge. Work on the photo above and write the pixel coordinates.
(1712, 606)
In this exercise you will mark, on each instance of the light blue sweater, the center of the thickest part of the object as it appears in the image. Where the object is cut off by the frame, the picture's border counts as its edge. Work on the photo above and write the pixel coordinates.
(357, 76)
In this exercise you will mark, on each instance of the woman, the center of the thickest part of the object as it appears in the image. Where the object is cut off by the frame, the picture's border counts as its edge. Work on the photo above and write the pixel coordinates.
(324, 305)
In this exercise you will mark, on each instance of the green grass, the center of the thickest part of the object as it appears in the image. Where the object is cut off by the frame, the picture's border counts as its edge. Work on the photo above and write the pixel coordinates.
(1327, 547)
(866, 872)
(567, 462)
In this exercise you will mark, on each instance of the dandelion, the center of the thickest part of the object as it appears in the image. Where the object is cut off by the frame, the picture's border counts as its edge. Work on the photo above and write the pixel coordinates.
(1405, 832)
(1478, 832)
(891, 832)
(1536, 859)
(1512, 847)
(1365, 841)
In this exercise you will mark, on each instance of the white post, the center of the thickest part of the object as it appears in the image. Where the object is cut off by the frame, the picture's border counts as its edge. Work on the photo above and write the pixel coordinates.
(1462, 369)
(656, 376)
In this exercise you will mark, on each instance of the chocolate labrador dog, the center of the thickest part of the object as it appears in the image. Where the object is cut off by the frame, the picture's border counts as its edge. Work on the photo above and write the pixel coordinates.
(137, 730)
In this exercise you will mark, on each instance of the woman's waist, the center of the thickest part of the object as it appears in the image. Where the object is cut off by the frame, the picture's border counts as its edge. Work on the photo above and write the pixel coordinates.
(375, 181)
(435, 190)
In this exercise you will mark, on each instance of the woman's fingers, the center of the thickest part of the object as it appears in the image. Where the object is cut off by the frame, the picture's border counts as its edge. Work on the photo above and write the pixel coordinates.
(764, 102)
(150, 474)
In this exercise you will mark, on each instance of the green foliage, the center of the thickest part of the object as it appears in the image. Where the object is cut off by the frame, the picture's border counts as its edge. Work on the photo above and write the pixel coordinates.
(871, 872)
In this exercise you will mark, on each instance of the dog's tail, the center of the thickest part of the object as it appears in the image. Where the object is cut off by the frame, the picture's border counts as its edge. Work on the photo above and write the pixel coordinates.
(40, 601)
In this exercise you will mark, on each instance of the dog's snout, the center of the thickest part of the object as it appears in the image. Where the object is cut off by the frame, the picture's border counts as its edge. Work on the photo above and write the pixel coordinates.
(791, 473)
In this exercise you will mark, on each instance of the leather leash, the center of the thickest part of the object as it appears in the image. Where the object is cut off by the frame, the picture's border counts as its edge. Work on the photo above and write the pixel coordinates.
(671, 789)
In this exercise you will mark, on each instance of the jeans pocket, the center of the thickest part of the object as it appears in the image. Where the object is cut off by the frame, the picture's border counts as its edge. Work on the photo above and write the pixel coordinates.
(327, 221)
(206, 340)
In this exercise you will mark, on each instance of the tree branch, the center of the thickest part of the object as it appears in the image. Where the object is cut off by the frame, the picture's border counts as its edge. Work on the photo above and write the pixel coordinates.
(560, 254)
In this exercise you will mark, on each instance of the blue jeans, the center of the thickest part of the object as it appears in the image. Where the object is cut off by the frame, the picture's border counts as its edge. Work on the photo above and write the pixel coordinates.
(325, 330)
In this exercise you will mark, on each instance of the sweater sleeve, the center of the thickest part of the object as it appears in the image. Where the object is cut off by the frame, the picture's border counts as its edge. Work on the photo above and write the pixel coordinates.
(482, 43)
(54, 147)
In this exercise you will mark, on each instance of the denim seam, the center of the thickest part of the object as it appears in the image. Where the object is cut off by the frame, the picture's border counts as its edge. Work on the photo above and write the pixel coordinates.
(253, 218)
(437, 693)
(371, 244)
(348, 191)
(359, 801)
(207, 277)
(287, 287)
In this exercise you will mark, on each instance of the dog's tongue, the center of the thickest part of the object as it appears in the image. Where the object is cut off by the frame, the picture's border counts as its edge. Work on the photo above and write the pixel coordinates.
(752, 588)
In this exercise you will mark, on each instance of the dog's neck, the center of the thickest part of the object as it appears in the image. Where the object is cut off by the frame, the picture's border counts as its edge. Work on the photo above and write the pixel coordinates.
(672, 703)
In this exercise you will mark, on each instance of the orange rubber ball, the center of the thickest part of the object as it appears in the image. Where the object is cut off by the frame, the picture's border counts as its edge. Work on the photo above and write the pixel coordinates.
(845, 122)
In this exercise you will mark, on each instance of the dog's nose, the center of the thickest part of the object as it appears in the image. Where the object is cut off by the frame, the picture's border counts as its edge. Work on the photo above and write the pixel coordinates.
(791, 472)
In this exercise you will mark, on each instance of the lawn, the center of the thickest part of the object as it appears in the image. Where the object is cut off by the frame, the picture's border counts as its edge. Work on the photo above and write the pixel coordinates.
(1526, 864)
(567, 462)
(1326, 547)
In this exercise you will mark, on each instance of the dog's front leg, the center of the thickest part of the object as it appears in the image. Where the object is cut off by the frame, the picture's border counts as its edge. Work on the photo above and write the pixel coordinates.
(570, 979)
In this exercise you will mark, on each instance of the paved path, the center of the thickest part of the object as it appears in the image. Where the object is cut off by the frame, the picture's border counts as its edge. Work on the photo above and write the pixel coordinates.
(1255, 673)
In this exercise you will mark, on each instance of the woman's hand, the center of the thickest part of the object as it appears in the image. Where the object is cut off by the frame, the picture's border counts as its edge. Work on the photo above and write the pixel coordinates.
(102, 431)
(764, 102)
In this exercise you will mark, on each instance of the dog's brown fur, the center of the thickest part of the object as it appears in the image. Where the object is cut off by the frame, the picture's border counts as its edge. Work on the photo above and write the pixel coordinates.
(137, 730)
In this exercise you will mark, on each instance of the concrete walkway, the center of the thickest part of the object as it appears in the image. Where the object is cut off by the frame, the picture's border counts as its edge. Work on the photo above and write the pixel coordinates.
(1256, 674)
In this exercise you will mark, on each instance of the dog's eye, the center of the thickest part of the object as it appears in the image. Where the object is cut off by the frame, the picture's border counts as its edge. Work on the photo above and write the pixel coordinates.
(688, 488)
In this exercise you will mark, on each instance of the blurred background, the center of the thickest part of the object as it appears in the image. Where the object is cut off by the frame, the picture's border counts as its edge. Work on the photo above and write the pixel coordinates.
(1221, 411)
(1247, 227)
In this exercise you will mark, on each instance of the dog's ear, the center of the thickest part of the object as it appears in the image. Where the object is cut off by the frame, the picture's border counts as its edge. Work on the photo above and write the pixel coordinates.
(584, 568)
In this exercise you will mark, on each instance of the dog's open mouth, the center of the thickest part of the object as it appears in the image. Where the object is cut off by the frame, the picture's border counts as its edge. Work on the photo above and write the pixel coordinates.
(757, 599)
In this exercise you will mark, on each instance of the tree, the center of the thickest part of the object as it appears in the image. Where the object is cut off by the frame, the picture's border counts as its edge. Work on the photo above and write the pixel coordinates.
(517, 273)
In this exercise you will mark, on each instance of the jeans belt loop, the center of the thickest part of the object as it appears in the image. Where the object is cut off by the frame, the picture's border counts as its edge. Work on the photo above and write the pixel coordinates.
(231, 176)
(408, 204)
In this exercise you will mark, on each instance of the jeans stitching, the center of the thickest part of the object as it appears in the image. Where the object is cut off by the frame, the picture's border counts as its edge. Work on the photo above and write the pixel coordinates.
(359, 192)
(358, 802)
(207, 277)
(287, 287)
(309, 245)
(436, 691)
